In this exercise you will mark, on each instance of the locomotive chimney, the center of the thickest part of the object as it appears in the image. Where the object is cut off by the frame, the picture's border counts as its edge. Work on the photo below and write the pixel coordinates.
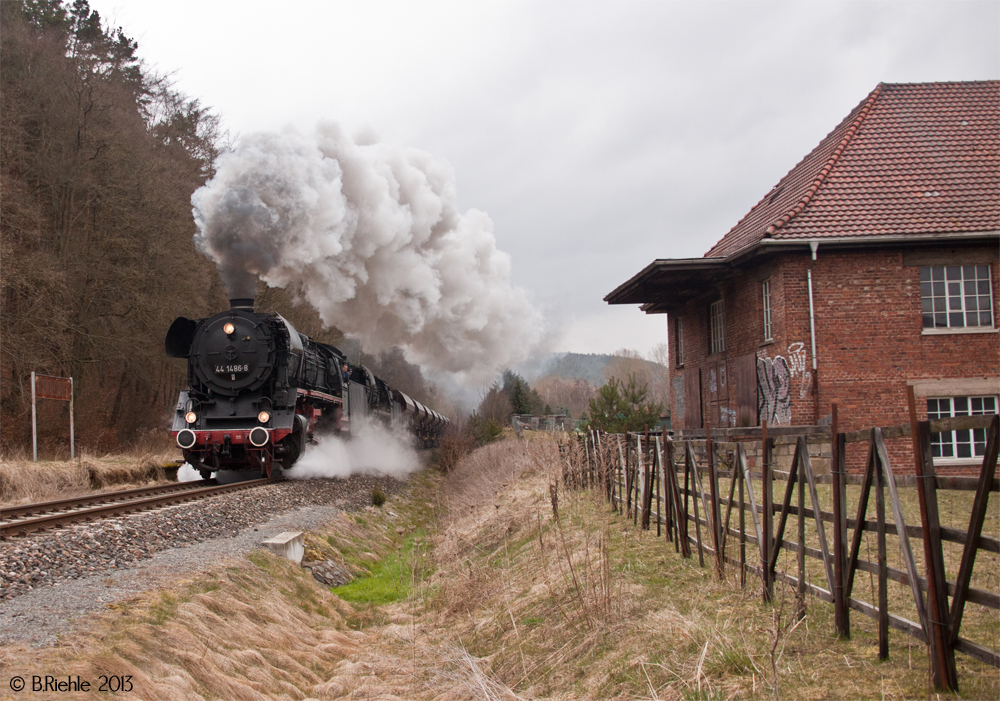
(242, 303)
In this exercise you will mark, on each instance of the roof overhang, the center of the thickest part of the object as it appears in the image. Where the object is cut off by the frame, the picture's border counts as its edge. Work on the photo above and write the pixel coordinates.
(671, 282)
(668, 283)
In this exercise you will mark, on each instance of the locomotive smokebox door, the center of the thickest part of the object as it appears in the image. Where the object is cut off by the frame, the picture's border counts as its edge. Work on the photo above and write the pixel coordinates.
(233, 352)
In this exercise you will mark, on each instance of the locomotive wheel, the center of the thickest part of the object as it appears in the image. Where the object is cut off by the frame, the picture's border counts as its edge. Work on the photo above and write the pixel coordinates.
(293, 449)
(294, 443)
(205, 473)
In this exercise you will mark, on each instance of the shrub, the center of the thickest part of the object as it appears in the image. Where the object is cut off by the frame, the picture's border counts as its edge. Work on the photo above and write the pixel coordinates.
(378, 496)
(454, 446)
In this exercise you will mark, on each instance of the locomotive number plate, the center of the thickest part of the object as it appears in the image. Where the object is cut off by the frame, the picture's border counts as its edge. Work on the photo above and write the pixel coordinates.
(228, 369)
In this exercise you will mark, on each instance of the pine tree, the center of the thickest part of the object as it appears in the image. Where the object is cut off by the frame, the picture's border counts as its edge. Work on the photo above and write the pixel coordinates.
(619, 407)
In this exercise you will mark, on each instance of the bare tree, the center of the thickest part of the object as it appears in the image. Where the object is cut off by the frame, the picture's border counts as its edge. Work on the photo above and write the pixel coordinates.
(651, 373)
(96, 222)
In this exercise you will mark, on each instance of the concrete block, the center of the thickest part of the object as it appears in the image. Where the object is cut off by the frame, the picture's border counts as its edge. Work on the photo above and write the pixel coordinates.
(289, 545)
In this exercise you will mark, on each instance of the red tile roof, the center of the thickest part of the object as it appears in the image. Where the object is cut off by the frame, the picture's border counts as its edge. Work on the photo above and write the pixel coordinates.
(916, 158)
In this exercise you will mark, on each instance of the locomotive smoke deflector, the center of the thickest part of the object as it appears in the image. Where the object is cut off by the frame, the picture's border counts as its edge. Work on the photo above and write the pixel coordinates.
(179, 337)
(294, 340)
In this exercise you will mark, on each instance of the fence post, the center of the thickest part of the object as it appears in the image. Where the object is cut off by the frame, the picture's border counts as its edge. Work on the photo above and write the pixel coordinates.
(668, 525)
(942, 654)
(651, 478)
(975, 531)
(629, 479)
(842, 622)
(692, 467)
(647, 480)
(34, 422)
(680, 513)
(714, 492)
(883, 593)
(738, 467)
(768, 521)
(605, 469)
(882, 455)
(621, 481)
(72, 439)
(640, 484)
(800, 559)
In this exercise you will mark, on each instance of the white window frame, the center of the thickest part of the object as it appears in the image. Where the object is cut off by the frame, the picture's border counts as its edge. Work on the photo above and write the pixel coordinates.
(953, 441)
(717, 326)
(766, 298)
(953, 295)
(679, 341)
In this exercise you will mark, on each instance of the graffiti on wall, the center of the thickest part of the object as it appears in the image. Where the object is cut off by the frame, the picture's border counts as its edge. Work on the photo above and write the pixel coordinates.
(797, 357)
(727, 416)
(774, 382)
(775, 379)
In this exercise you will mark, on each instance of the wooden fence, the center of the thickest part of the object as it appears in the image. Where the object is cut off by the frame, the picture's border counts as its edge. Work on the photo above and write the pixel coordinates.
(652, 478)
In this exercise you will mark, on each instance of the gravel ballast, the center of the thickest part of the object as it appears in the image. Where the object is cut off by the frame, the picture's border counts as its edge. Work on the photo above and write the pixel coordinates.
(48, 579)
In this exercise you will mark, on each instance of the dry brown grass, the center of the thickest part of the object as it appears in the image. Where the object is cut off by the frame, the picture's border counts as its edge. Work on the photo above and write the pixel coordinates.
(523, 604)
(23, 481)
(254, 629)
(979, 624)
(517, 597)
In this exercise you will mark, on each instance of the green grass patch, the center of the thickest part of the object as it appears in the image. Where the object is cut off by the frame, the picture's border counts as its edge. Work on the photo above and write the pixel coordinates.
(391, 577)
(532, 621)
(163, 610)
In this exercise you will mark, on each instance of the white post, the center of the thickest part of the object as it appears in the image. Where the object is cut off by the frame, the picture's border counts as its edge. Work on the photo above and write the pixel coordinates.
(72, 453)
(34, 423)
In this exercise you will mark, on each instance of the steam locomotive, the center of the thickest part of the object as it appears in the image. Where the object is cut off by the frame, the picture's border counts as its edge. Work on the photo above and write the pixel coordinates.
(259, 391)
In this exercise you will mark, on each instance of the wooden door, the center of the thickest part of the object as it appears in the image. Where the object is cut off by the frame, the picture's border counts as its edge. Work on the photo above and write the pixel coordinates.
(743, 387)
(692, 398)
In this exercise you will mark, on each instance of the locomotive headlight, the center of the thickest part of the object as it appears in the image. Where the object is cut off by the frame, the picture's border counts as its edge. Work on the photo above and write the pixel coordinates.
(229, 329)
(263, 417)
(190, 417)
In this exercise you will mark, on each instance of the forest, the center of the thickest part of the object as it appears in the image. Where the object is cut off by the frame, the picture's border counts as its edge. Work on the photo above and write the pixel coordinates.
(99, 158)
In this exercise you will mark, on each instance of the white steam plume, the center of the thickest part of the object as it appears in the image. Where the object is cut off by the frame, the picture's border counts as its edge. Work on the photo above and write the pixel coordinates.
(371, 236)
(186, 473)
(372, 450)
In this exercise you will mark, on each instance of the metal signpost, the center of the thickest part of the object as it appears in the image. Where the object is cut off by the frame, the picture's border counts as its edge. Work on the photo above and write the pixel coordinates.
(47, 387)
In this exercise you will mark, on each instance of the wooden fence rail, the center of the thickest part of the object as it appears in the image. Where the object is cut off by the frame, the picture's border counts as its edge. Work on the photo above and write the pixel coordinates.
(652, 478)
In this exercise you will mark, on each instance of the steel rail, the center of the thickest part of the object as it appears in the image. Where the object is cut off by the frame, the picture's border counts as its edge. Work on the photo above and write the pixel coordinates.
(42, 507)
(60, 520)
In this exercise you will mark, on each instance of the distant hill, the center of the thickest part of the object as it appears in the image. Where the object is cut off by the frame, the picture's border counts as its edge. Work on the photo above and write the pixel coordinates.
(557, 378)
(571, 366)
(583, 366)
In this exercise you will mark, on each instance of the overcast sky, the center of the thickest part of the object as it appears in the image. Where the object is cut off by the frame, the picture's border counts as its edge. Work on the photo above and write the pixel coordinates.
(598, 136)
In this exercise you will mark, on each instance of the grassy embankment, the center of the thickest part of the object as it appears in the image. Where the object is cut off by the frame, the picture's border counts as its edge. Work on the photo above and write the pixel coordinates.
(23, 481)
(489, 585)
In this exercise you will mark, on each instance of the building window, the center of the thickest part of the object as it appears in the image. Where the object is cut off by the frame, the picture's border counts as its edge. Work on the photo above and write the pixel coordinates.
(717, 324)
(970, 443)
(679, 341)
(956, 296)
(766, 294)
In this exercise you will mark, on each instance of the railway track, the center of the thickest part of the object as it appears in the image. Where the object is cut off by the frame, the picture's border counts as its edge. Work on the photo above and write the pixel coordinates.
(19, 521)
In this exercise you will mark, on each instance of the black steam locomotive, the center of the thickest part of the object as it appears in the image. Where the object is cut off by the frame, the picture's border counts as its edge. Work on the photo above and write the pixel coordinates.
(258, 391)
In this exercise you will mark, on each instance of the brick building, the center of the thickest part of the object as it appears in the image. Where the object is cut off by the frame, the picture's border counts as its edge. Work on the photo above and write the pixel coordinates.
(872, 265)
